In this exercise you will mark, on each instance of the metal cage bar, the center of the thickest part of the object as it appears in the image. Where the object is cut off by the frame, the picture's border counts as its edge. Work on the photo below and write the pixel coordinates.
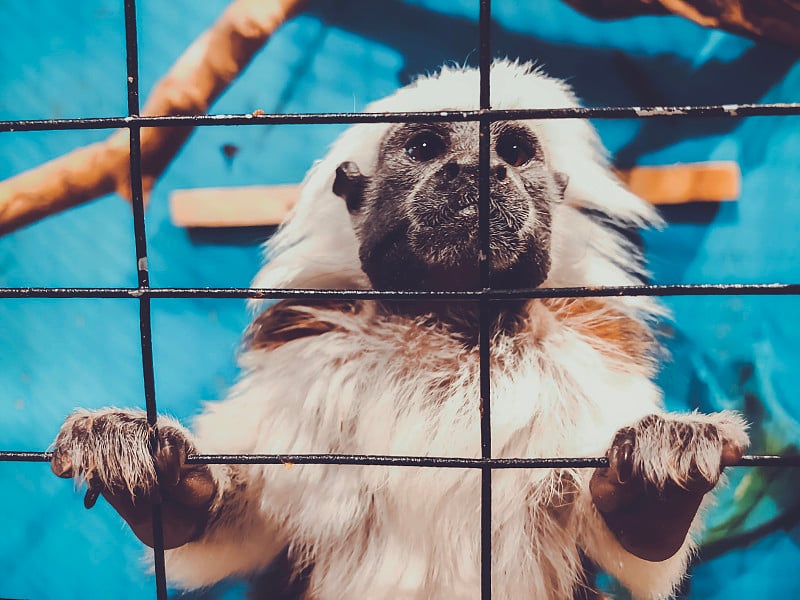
(609, 112)
(380, 460)
(140, 238)
(484, 307)
(485, 296)
(699, 289)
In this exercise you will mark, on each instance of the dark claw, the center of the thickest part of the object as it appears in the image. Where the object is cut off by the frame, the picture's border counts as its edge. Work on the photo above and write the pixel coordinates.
(92, 494)
(625, 461)
(621, 455)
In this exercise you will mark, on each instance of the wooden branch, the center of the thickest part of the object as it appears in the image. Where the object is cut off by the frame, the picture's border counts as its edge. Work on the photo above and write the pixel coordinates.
(72, 179)
(773, 20)
(261, 205)
(204, 70)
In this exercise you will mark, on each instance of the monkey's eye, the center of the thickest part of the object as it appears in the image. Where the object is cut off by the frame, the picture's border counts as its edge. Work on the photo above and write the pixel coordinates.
(425, 146)
(514, 148)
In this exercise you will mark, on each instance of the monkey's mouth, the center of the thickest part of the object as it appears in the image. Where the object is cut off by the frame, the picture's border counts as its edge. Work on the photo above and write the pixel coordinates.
(464, 205)
(446, 235)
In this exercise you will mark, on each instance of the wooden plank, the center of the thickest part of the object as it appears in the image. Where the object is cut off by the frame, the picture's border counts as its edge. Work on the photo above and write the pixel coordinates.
(270, 204)
(233, 207)
(689, 182)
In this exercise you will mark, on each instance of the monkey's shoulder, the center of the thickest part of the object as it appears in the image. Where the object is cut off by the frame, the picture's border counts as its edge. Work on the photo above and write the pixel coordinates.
(294, 319)
(608, 327)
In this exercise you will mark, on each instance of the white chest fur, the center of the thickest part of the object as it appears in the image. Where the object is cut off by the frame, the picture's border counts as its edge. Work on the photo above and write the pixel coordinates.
(372, 386)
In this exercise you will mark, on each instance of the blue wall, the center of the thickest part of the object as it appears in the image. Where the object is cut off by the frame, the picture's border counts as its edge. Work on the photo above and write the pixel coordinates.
(67, 60)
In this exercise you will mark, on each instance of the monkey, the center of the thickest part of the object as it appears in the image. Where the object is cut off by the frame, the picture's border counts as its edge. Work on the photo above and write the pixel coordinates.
(394, 206)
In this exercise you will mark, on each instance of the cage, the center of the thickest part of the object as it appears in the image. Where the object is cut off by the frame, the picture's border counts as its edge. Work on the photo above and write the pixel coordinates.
(90, 303)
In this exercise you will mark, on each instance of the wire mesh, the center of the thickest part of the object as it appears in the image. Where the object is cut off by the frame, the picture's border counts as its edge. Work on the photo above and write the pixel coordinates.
(484, 296)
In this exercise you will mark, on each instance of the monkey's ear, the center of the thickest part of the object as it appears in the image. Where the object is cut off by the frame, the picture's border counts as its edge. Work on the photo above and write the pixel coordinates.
(349, 184)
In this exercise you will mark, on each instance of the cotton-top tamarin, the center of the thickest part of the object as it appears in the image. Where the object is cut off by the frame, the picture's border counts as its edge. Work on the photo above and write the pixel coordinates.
(394, 207)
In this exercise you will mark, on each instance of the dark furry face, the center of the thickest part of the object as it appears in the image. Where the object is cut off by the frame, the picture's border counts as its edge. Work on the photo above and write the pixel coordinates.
(416, 218)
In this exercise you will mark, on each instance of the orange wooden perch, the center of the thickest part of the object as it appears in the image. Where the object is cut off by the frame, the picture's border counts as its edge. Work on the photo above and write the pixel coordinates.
(270, 204)
(688, 182)
(196, 79)
(232, 207)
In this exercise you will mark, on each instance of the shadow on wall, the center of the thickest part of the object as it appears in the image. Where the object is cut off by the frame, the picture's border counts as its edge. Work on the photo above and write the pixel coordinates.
(601, 76)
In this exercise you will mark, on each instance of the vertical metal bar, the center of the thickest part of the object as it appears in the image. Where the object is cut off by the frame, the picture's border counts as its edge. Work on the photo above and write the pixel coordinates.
(140, 235)
(484, 150)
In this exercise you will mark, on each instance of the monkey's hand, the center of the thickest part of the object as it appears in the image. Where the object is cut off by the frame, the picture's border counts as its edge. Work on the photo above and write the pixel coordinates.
(659, 470)
(110, 451)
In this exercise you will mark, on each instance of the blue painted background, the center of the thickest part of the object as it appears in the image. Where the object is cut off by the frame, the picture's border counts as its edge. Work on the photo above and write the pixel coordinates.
(60, 59)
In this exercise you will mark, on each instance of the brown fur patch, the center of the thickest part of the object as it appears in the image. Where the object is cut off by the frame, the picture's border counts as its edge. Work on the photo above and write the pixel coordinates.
(294, 319)
(607, 328)
(620, 337)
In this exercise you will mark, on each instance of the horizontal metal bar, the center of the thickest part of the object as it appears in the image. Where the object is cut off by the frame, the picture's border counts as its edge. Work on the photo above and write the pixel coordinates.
(408, 461)
(611, 112)
(11, 456)
(396, 461)
(704, 289)
(446, 462)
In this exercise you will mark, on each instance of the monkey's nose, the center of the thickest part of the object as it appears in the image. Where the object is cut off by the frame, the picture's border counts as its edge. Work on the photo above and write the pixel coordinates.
(451, 171)
(500, 172)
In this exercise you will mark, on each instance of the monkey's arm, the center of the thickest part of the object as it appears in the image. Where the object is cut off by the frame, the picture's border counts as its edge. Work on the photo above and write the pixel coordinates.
(641, 512)
(205, 508)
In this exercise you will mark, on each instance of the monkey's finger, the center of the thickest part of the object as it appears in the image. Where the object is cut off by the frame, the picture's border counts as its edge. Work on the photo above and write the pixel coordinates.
(169, 458)
(731, 454)
(61, 464)
(604, 491)
(701, 482)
